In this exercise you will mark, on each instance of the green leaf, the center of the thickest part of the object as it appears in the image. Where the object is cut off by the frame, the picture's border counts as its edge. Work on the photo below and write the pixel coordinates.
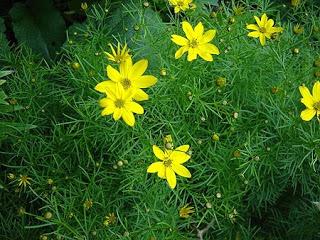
(39, 25)
(3, 97)
(12, 127)
(5, 73)
(2, 26)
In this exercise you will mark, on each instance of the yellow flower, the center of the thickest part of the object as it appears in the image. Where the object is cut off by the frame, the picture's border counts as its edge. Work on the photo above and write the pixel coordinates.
(88, 204)
(180, 5)
(119, 56)
(130, 77)
(185, 211)
(295, 3)
(171, 164)
(24, 180)
(84, 6)
(110, 219)
(312, 102)
(196, 43)
(297, 29)
(263, 29)
(119, 103)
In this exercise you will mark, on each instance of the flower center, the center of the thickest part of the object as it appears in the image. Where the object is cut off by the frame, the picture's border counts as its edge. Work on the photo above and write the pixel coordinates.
(263, 30)
(119, 103)
(126, 83)
(180, 3)
(167, 162)
(317, 106)
(193, 43)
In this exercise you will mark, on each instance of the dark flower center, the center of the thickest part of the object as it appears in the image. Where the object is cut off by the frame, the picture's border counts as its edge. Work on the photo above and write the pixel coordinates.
(167, 162)
(263, 30)
(119, 103)
(317, 106)
(180, 3)
(126, 83)
(193, 43)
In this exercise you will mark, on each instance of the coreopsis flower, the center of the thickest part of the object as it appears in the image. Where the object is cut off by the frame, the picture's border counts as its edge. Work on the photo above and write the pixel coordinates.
(185, 211)
(196, 42)
(312, 102)
(180, 5)
(168, 142)
(119, 103)
(121, 54)
(88, 204)
(263, 29)
(110, 219)
(130, 77)
(170, 164)
(23, 180)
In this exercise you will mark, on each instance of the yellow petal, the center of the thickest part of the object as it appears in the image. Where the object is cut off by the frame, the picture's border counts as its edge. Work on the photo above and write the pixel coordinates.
(179, 157)
(158, 152)
(254, 34)
(316, 91)
(113, 74)
(209, 48)
(192, 54)
(162, 172)
(183, 148)
(155, 167)
(208, 36)
(145, 81)
(171, 178)
(181, 41)
(205, 55)
(262, 39)
(135, 107)
(128, 117)
(253, 27)
(107, 111)
(308, 114)
(276, 29)
(106, 102)
(269, 24)
(264, 19)
(188, 30)
(180, 52)
(176, 9)
(307, 102)
(306, 94)
(138, 69)
(258, 21)
(140, 95)
(181, 170)
(103, 86)
(198, 30)
(117, 114)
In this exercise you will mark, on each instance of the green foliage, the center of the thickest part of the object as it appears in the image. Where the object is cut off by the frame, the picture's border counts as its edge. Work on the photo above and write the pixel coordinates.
(260, 180)
(38, 24)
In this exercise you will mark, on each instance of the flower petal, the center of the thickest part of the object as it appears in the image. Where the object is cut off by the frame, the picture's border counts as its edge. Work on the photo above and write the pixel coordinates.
(269, 24)
(155, 167)
(192, 54)
(128, 117)
(171, 178)
(316, 91)
(254, 34)
(181, 41)
(117, 114)
(198, 30)
(306, 94)
(209, 48)
(162, 172)
(145, 81)
(208, 36)
(264, 19)
(140, 95)
(258, 21)
(179, 157)
(103, 86)
(113, 74)
(205, 55)
(183, 148)
(180, 52)
(308, 114)
(138, 69)
(253, 27)
(135, 107)
(262, 39)
(307, 102)
(188, 30)
(181, 170)
(107, 111)
(158, 152)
